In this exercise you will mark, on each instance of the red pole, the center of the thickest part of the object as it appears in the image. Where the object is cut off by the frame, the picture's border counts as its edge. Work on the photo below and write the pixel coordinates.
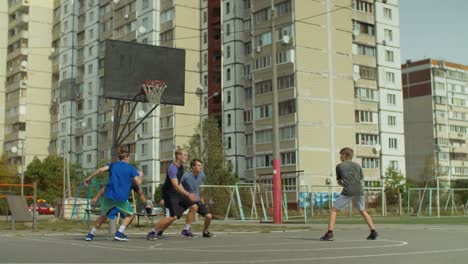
(277, 213)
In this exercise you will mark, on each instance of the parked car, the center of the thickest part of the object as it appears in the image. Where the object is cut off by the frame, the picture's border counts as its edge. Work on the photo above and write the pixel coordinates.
(42, 207)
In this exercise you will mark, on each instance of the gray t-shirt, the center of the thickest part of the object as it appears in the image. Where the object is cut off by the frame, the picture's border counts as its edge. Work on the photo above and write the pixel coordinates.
(350, 173)
(192, 183)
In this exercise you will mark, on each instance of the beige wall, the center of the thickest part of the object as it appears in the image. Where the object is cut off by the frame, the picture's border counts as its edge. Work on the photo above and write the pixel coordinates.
(419, 135)
(3, 55)
(314, 60)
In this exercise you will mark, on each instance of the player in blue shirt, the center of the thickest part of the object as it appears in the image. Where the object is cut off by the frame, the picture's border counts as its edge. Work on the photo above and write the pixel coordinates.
(191, 182)
(121, 176)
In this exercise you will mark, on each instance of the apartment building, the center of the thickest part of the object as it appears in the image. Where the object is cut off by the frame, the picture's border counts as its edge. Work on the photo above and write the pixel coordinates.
(3, 57)
(338, 85)
(436, 118)
(27, 78)
(84, 118)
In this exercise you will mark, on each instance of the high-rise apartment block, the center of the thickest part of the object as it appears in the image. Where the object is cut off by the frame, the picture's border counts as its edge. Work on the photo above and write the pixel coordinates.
(436, 118)
(338, 85)
(337, 77)
(25, 78)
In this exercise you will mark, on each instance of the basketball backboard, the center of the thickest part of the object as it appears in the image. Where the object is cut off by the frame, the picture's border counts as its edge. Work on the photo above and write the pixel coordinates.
(128, 64)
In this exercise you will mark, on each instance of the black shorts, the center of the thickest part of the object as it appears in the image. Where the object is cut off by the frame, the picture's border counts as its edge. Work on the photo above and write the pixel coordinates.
(177, 204)
(202, 208)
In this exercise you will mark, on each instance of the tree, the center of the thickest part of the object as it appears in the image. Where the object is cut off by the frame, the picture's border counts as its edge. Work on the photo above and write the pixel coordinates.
(48, 174)
(213, 154)
(8, 172)
(217, 173)
(395, 184)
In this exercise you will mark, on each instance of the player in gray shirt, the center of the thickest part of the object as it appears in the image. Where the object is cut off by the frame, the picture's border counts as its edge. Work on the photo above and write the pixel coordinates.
(191, 182)
(349, 175)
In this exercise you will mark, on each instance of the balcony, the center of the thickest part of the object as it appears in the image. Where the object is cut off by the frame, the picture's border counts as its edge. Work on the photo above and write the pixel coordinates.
(23, 34)
(16, 85)
(363, 17)
(364, 39)
(18, 5)
(24, 18)
(16, 53)
(15, 135)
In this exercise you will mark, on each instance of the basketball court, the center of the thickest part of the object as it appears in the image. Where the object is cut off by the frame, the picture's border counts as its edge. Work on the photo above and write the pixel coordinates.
(398, 244)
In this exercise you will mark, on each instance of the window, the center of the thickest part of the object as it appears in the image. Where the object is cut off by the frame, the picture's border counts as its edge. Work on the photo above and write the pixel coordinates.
(285, 82)
(228, 52)
(248, 93)
(205, 58)
(391, 120)
(387, 13)
(365, 117)
(228, 29)
(264, 136)
(263, 87)
(228, 142)
(392, 143)
(262, 39)
(145, 4)
(365, 50)
(248, 116)
(89, 158)
(390, 77)
(166, 16)
(367, 139)
(228, 120)
(166, 36)
(288, 158)
(90, 68)
(144, 148)
(370, 163)
(363, 6)
(204, 17)
(367, 72)
(287, 133)
(89, 140)
(247, 48)
(283, 56)
(363, 28)
(144, 127)
(248, 163)
(283, 8)
(263, 111)
(90, 33)
(394, 164)
(366, 94)
(389, 56)
(205, 37)
(263, 161)
(262, 16)
(388, 34)
(228, 8)
(90, 104)
(391, 99)
(228, 74)
(248, 139)
(287, 107)
(228, 97)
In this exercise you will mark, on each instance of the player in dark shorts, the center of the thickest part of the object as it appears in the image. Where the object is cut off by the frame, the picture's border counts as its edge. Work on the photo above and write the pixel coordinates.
(191, 181)
(176, 199)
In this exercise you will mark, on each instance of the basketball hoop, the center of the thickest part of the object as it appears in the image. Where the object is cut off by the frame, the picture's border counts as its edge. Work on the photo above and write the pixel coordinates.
(153, 89)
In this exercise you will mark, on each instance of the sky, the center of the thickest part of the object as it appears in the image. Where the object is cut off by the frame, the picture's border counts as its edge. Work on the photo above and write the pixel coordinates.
(434, 28)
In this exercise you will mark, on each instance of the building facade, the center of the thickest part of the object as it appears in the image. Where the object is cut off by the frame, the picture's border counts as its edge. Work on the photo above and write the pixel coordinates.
(82, 125)
(436, 118)
(26, 95)
(337, 82)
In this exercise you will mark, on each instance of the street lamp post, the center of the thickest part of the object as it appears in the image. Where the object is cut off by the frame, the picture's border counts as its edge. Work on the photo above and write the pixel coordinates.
(14, 149)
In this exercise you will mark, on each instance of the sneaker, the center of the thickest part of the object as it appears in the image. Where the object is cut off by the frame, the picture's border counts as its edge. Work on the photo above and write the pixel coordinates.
(151, 236)
(187, 233)
(90, 237)
(373, 236)
(120, 236)
(208, 234)
(327, 237)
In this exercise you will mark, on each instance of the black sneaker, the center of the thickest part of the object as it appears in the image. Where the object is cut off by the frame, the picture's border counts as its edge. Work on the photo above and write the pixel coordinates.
(208, 234)
(327, 237)
(373, 235)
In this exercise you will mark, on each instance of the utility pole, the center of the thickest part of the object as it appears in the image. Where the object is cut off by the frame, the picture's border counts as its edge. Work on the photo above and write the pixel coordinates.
(277, 216)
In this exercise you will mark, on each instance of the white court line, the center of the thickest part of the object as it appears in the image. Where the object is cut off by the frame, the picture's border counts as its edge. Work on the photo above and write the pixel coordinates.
(127, 247)
(328, 258)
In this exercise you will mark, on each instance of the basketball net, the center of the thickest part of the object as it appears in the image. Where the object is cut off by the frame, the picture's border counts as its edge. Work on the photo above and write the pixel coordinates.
(154, 90)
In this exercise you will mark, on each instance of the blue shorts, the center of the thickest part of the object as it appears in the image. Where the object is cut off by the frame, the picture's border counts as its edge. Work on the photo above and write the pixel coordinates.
(112, 214)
